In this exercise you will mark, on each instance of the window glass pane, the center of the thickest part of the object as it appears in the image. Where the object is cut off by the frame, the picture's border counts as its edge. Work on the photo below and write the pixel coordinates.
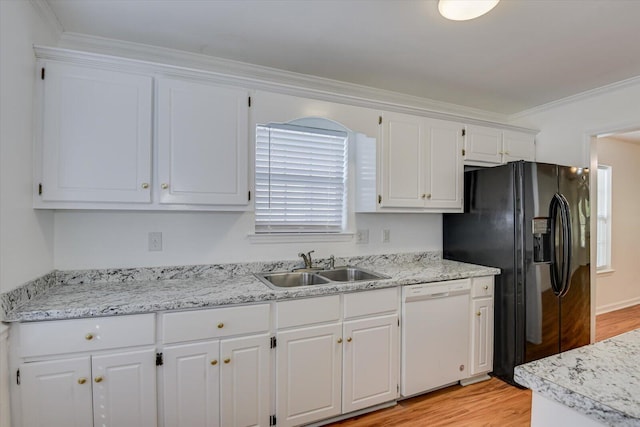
(300, 179)
(603, 243)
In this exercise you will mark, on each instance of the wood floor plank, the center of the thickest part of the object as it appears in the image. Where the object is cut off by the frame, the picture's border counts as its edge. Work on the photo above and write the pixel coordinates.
(489, 403)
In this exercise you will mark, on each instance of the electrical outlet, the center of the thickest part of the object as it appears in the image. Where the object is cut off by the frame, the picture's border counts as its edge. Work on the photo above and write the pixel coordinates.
(155, 241)
(362, 236)
(386, 236)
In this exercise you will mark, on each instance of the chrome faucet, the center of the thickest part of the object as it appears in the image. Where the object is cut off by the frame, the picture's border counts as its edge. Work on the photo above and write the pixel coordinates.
(308, 262)
(332, 262)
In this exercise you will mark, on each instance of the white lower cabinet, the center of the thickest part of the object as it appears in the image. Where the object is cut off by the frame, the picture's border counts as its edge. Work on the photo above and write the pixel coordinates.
(370, 363)
(219, 380)
(333, 361)
(112, 389)
(481, 343)
(309, 369)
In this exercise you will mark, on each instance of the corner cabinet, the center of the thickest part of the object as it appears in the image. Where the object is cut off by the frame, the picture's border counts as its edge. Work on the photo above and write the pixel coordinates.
(83, 373)
(487, 146)
(94, 141)
(101, 144)
(419, 167)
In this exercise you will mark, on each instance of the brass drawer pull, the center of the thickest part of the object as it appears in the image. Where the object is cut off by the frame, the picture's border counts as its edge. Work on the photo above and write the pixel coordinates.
(227, 360)
(220, 325)
(349, 339)
(82, 380)
(89, 336)
(214, 362)
(98, 379)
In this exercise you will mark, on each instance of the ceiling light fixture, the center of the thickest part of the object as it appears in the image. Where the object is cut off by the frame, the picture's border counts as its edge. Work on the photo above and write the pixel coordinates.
(463, 10)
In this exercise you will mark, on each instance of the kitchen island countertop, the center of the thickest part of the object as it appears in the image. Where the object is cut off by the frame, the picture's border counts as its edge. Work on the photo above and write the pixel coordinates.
(601, 381)
(100, 297)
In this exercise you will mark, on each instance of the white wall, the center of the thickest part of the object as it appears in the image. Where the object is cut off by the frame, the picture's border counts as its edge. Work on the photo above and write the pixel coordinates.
(565, 126)
(565, 134)
(621, 287)
(26, 236)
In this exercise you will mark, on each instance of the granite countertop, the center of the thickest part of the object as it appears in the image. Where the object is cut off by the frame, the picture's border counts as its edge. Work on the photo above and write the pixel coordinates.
(602, 380)
(136, 291)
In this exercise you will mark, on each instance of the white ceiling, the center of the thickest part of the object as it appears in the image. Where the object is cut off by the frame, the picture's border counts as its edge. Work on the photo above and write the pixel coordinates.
(522, 54)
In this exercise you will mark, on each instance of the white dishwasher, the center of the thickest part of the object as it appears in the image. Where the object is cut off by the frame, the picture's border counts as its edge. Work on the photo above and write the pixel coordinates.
(435, 335)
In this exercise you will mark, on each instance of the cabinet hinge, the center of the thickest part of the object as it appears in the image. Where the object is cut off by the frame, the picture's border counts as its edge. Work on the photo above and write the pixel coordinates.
(464, 152)
(249, 195)
(159, 359)
(379, 120)
(42, 73)
(249, 101)
(274, 342)
(18, 377)
(464, 132)
(272, 420)
(379, 199)
(40, 189)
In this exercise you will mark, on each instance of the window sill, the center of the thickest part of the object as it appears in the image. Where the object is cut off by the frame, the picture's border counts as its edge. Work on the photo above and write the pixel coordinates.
(605, 271)
(297, 238)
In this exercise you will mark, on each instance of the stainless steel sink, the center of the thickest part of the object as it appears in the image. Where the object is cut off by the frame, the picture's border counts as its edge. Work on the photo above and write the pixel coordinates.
(291, 279)
(349, 274)
(322, 277)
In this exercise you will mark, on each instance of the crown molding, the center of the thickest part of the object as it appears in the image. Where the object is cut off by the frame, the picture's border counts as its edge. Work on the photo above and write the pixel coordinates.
(198, 66)
(602, 90)
(50, 18)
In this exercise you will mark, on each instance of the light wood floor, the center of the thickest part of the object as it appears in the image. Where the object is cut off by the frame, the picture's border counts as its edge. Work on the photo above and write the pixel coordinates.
(490, 403)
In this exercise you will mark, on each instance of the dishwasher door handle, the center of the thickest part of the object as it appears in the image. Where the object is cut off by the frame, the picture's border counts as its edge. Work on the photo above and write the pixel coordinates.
(422, 297)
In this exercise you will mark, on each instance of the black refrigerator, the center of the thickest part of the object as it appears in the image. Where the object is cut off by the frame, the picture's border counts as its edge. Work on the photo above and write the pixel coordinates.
(531, 220)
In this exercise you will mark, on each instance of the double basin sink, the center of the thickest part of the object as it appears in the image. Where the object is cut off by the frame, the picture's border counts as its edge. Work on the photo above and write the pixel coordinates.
(291, 279)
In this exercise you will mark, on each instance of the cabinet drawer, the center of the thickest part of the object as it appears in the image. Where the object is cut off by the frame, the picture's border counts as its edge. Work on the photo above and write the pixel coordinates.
(370, 302)
(482, 287)
(69, 336)
(308, 311)
(217, 322)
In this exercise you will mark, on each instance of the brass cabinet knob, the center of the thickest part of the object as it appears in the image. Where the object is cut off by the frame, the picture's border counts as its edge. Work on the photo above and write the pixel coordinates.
(145, 185)
(461, 368)
(164, 186)
(227, 360)
(349, 339)
(214, 362)
(82, 380)
(429, 196)
(478, 314)
(98, 379)
(89, 336)
(486, 287)
(220, 325)
(423, 196)
(339, 340)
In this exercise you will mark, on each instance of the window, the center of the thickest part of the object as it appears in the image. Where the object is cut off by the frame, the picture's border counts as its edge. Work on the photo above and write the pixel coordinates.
(604, 218)
(300, 179)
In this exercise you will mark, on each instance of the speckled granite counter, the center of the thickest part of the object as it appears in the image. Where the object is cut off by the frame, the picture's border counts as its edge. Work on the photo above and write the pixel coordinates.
(601, 381)
(113, 292)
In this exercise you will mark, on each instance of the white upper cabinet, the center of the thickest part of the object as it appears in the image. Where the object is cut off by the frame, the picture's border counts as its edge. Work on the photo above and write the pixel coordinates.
(95, 136)
(202, 143)
(486, 146)
(419, 166)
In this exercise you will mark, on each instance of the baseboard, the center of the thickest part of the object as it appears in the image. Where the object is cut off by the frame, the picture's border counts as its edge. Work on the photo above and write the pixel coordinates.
(617, 305)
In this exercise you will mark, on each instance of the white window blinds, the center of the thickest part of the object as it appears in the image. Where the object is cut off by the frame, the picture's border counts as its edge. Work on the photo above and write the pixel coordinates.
(300, 179)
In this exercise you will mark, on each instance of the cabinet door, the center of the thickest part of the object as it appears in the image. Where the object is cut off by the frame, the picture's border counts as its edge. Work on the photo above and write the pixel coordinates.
(96, 135)
(202, 143)
(191, 385)
(56, 393)
(124, 389)
(518, 146)
(308, 372)
(444, 175)
(244, 381)
(483, 144)
(481, 336)
(402, 161)
(371, 367)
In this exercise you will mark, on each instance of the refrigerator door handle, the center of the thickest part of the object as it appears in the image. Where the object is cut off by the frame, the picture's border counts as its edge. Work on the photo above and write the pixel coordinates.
(565, 214)
(556, 280)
